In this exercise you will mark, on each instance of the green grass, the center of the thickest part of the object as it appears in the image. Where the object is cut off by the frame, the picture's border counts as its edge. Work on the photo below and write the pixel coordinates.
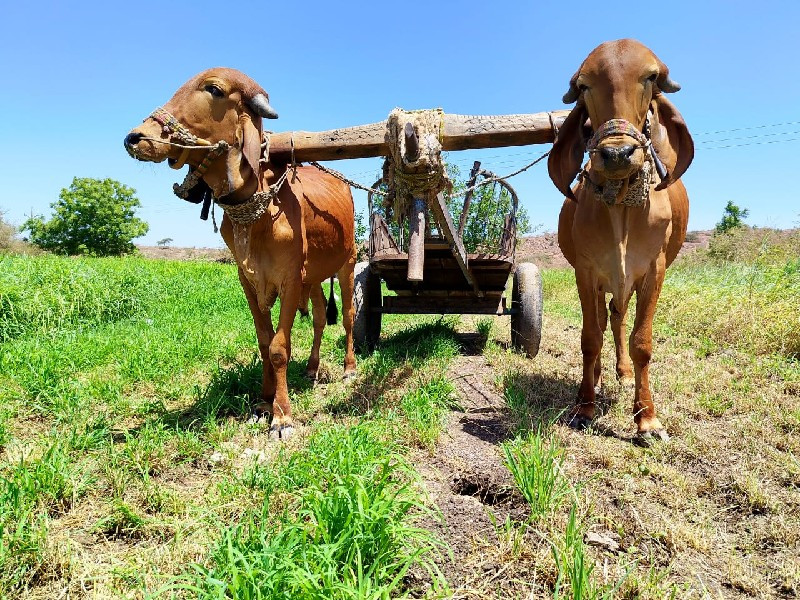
(536, 462)
(119, 377)
(346, 531)
(749, 306)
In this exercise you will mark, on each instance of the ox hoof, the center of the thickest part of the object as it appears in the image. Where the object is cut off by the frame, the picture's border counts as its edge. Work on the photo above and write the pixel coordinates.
(349, 376)
(580, 423)
(647, 439)
(311, 376)
(281, 432)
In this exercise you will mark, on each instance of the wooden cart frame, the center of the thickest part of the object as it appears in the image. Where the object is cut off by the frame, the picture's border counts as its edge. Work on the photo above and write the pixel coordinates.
(436, 275)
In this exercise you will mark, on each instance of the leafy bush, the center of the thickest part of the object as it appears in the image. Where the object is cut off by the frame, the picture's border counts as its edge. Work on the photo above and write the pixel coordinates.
(732, 218)
(9, 241)
(92, 216)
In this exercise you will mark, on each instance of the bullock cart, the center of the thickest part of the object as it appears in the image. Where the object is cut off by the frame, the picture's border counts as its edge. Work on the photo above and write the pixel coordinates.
(414, 246)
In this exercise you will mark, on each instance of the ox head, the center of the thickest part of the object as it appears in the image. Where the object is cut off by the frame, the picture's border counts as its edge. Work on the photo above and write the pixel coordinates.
(217, 105)
(620, 80)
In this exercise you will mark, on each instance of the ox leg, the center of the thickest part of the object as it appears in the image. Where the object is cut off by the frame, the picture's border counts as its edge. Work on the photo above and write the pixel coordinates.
(591, 343)
(618, 328)
(264, 333)
(648, 426)
(280, 351)
(305, 295)
(318, 310)
(602, 321)
(345, 277)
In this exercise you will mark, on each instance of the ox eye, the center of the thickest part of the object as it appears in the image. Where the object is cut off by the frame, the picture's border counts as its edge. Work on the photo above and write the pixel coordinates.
(214, 90)
(583, 87)
(652, 78)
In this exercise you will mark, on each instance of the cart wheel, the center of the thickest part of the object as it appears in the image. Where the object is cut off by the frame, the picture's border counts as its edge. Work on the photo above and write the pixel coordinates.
(526, 304)
(366, 295)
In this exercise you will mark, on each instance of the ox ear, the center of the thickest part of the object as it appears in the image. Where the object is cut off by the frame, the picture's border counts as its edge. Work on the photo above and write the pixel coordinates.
(245, 152)
(671, 139)
(251, 140)
(566, 156)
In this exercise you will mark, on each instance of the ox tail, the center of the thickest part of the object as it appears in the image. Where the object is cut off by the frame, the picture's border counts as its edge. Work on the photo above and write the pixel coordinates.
(331, 312)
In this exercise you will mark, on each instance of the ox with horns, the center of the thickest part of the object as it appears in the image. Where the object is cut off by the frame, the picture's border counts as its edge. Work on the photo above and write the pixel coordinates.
(621, 226)
(288, 230)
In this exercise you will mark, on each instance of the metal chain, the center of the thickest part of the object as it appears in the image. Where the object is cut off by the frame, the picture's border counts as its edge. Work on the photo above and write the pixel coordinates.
(349, 182)
(463, 192)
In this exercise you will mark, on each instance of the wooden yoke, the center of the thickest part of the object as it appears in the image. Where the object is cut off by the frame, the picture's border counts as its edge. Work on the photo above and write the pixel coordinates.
(461, 132)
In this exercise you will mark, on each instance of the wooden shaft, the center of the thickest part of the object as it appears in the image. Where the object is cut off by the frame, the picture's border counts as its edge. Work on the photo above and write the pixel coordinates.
(461, 132)
(473, 176)
(416, 239)
(412, 144)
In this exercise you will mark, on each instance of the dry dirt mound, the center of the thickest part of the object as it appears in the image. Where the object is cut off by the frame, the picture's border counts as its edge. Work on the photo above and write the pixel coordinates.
(170, 253)
(543, 249)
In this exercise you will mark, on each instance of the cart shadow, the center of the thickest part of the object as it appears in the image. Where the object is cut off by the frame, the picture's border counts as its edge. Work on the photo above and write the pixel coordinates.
(397, 359)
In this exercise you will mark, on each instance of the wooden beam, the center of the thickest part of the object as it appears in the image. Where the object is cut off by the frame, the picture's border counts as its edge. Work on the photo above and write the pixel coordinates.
(416, 239)
(461, 132)
(442, 214)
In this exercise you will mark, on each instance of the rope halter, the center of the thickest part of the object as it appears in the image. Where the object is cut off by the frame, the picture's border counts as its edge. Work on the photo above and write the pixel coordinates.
(639, 186)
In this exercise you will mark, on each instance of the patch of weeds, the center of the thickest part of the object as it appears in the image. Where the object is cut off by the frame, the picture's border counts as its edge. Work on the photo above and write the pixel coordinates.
(575, 568)
(750, 494)
(424, 408)
(122, 522)
(716, 404)
(23, 536)
(349, 534)
(28, 491)
(231, 392)
(536, 463)
(145, 450)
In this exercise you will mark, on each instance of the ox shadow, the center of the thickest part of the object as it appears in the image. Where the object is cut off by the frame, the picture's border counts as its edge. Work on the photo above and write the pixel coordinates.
(232, 392)
(537, 401)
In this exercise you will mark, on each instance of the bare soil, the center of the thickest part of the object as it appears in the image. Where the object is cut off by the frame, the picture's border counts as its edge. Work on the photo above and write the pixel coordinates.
(540, 249)
(543, 249)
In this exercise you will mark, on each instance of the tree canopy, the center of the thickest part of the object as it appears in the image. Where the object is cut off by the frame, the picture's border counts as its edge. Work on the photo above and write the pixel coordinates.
(91, 216)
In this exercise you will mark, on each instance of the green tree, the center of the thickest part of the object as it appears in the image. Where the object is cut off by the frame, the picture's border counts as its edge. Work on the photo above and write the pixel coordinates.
(92, 216)
(732, 218)
(486, 218)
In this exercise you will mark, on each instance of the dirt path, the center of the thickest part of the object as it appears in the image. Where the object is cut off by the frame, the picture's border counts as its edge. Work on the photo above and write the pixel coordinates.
(470, 484)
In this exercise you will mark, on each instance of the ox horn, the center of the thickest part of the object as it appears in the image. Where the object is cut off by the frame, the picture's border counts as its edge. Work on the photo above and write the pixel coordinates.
(668, 85)
(572, 93)
(260, 105)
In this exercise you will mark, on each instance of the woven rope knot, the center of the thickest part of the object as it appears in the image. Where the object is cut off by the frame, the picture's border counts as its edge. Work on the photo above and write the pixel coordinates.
(252, 209)
(638, 189)
(425, 175)
(172, 126)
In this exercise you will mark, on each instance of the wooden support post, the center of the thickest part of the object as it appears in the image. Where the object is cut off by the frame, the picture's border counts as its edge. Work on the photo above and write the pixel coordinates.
(412, 144)
(473, 176)
(416, 241)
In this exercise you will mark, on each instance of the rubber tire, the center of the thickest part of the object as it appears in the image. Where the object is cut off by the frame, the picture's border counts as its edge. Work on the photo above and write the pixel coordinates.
(526, 304)
(366, 294)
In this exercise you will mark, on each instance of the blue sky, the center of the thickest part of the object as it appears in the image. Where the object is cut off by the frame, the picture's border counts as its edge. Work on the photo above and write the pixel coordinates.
(78, 76)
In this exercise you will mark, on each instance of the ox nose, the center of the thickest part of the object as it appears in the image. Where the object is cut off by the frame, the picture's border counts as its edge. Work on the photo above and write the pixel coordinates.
(617, 156)
(132, 139)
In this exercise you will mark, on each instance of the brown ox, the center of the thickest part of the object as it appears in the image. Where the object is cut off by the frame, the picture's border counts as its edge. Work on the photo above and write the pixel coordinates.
(297, 238)
(619, 238)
